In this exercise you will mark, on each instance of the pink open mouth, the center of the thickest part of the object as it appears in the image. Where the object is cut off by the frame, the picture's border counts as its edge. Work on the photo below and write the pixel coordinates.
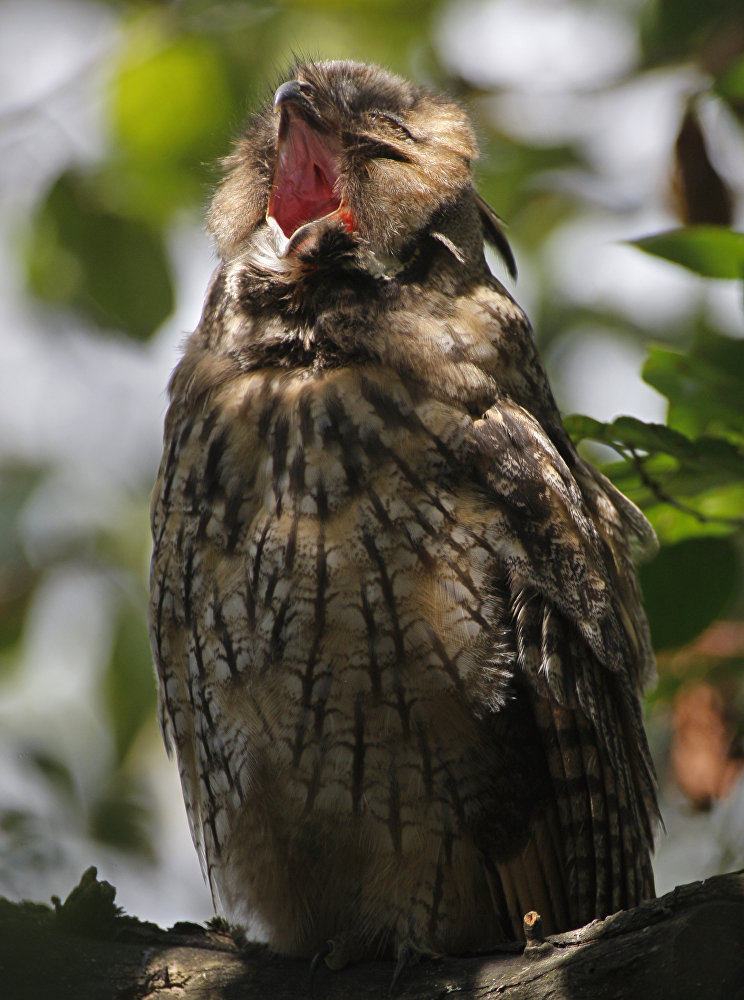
(305, 176)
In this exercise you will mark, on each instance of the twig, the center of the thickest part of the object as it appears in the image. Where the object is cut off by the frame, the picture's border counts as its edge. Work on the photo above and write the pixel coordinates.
(661, 494)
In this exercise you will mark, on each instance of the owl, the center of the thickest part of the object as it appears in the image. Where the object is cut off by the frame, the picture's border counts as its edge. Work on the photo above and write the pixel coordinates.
(394, 615)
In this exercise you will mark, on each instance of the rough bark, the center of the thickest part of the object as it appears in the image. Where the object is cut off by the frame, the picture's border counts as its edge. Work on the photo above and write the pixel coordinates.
(688, 944)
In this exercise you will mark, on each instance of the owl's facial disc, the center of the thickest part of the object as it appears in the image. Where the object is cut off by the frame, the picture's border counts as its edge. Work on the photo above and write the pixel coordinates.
(306, 175)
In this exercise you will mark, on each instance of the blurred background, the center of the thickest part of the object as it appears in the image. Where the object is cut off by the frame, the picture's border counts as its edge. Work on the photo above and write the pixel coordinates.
(612, 145)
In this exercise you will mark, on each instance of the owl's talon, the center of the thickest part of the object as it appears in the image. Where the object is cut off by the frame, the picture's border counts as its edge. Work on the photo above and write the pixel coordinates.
(408, 954)
(316, 960)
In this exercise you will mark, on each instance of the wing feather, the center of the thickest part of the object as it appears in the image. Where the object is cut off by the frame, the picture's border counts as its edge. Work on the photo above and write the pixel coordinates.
(582, 653)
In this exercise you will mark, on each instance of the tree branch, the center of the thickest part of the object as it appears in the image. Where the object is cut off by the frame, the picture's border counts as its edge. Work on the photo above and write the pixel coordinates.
(688, 945)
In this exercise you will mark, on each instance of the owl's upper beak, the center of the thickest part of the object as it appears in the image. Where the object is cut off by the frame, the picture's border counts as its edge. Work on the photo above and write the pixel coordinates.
(305, 185)
(292, 93)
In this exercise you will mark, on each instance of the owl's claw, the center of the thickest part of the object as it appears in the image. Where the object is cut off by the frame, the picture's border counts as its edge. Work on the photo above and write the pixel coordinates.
(408, 954)
(317, 959)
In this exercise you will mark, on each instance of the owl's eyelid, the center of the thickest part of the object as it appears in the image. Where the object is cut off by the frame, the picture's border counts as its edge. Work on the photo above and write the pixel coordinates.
(397, 121)
(375, 149)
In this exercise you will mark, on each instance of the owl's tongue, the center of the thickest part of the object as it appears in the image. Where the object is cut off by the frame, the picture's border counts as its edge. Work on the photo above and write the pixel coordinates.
(305, 175)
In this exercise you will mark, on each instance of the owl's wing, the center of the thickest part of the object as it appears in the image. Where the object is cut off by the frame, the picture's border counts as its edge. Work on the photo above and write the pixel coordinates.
(583, 652)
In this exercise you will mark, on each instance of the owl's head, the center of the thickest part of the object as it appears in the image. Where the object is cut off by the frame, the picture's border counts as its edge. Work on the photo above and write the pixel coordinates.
(352, 151)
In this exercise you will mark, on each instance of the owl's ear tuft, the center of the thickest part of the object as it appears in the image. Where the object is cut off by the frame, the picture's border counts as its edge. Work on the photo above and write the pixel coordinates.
(494, 234)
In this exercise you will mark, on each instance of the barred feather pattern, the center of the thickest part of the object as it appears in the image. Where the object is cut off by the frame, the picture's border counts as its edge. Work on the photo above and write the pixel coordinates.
(397, 629)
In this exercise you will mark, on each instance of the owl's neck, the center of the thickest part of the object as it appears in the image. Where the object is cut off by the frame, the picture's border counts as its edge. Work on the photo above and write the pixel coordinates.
(430, 323)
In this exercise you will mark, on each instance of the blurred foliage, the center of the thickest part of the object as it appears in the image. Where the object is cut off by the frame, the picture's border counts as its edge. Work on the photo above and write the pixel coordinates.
(184, 78)
(87, 256)
(712, 251)
(17, 577)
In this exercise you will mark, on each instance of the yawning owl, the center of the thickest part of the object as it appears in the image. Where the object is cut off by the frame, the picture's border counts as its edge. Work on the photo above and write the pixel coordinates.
(395, 618)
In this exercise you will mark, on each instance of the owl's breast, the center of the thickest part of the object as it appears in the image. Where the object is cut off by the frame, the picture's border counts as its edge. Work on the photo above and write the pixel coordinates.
(365, 551)
(335, 599)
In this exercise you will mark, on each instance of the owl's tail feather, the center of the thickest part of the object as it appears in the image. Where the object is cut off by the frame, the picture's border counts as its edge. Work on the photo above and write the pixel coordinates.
(603, 816)
(585, 858)
(600, 774)
(534, 879)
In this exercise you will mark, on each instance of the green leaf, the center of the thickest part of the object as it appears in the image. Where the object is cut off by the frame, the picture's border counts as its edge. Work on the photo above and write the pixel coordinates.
(673, 28)
(731, 84)
(717, 512)
(705, 387)
(627, 434)
(687, 487)
(55, 771)
(84, 255)
(129, 683)
(713, 251)
(17, 577)
(687, 586)
(121, 816)
(171, 99)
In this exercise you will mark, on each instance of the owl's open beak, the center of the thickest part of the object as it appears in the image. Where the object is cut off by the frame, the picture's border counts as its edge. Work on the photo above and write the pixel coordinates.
(306, 173)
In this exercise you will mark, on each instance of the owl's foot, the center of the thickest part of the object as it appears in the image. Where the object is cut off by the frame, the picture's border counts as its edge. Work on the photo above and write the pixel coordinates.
(343, 951)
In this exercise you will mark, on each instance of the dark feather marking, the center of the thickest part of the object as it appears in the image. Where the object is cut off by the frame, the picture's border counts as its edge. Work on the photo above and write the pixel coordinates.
(385, 405)
(291, 546)
(278, 641)
(250, 606)
(455, 800)
(212, 821)
(307, 424)
(192, 489)
(259, 553)
(357, 772)
(211, 481)
(419, 484)
(209, 421)
(321, 500)
(371, 625)
(342, 431)
(441, 652)
(159, 621)
(382, 515)
(223, 634)
(437, 895)
(169, 471)
(392, 610)
(297, 474)
(180, 440)
(233, 521)
(426, 771)
(420, 551)
(199, 660)
(279, 453)
(394, 824)
(309, 705)
(271, 583)
(447, 842)
(187, 578)
(265, 417)
(201, 527)
(205, 721)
